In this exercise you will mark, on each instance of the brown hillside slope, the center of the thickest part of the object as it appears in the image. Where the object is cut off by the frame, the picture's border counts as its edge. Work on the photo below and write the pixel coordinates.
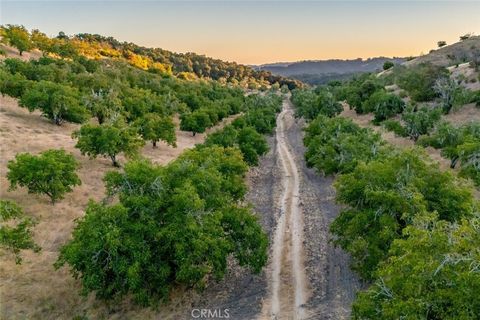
(34, 289)
(449, 55)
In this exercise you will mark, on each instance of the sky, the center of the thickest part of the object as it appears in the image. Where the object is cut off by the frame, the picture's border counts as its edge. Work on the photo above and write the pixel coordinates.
(257, 32)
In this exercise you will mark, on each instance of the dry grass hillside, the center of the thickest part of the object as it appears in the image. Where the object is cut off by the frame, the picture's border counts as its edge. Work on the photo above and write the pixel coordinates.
(458, 117)
(34, 290)
(451, 54)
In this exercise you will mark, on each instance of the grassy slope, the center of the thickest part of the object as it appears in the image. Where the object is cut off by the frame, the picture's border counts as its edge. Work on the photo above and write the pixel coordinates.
(34, 290)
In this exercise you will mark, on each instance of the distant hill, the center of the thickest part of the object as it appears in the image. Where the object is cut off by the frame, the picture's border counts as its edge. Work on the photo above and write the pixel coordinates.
(322, 71)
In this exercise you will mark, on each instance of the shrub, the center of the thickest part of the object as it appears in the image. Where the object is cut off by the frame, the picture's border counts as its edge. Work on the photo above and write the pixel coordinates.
(421, 121)
(52, 173)
(447, 89)
(419, 80)
(383, 105)
(388, 65)
(252, 145)
(394, 126)
(441, 43)
(15, 230)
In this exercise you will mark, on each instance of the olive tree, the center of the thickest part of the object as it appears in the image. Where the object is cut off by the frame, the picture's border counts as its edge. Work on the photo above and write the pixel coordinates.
(52, 173)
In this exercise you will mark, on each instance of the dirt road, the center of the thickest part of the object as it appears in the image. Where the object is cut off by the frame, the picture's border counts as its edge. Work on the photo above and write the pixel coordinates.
(288, 288)
(307, 277)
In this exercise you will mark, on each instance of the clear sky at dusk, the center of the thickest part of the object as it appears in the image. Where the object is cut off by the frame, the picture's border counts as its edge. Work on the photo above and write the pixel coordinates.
(256, 32)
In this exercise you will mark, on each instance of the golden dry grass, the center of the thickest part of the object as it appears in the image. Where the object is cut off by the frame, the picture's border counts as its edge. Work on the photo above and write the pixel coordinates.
(463, 115)
(34, 289)
(11, 52)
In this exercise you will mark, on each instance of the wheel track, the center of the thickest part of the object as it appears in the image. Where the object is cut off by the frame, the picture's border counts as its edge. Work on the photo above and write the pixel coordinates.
(288, 286)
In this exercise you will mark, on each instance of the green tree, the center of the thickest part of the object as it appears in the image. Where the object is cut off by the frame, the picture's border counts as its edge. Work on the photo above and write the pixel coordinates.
(18, 37)
(15, 230)
(173, 225)
(226, 137)
(195, 122)
(154, 127)
(108, 140)
(52, 173)
(103, 104)
(252, 144)
(56, 101)
(338, 145)
(41, 41)
(432, 273)
(383, 105)
(419, 80)
(310, 103)
(384, 196)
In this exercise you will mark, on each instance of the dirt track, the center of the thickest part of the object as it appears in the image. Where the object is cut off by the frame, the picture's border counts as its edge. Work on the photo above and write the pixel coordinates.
(307, 277)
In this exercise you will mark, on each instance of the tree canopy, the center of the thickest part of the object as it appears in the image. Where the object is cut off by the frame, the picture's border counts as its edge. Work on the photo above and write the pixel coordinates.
(52, 173)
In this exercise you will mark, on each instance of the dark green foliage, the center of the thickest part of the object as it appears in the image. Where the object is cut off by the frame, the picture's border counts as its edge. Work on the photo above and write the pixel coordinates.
(57, 102)
(419, 80)
(421, 121)
(469, 154)
(174, 225)
(383, 105)
(13, 85)
(432, 273)
(153, 127)
(384, 197)
(261, 113)
(108, 140)
(358, 91)
(338, 145)
(196, 122)
(15, 230)
(394, 126)
(388, 65)
(310, 103)
(138, 102)
(52, 173)
(252, 145)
